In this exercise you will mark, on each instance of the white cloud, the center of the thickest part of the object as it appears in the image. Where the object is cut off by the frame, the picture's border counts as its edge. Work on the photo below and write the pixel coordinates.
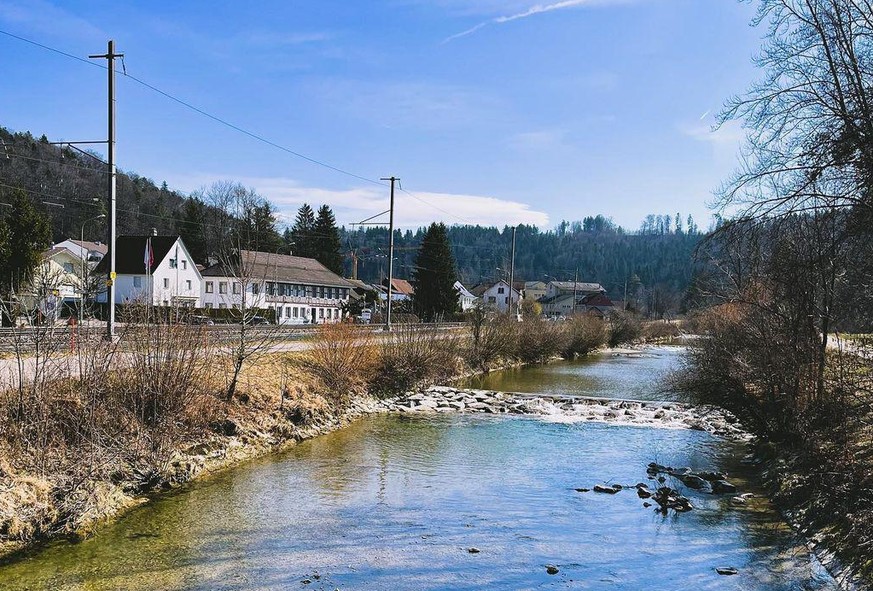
(46, 18)
(532, 11)
(356, 204)
(543, 139)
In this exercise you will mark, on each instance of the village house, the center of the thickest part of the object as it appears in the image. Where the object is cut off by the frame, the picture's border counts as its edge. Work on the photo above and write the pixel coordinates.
(564, 298)
(172, 278)
(466, 299)
(497, 295)
(91, 252)
(300, 290)
(534, 290)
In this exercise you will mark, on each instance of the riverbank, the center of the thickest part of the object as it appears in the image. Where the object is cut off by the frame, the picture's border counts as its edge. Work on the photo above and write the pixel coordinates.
(277, 407)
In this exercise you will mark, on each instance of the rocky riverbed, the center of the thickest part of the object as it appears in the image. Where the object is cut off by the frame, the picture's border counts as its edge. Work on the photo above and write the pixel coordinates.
(669, 415)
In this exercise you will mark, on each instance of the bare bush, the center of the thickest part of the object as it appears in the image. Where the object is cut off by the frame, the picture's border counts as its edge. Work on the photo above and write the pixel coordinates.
(660, 330)
(624, 328)
(493, 337)
(584, 335)
(342, 360)
(414, 356)
(538, 340)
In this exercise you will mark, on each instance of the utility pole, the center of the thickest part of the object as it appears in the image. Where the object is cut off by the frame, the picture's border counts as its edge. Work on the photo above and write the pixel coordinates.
(512, 269)
(575, 288)
(110, 56)
(390, 251)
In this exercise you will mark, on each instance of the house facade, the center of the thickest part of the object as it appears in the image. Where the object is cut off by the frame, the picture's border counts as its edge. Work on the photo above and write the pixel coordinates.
(172, 279)
(88, 251)
(564, 298)
(466, 299)
(300, 290)
(498, 296)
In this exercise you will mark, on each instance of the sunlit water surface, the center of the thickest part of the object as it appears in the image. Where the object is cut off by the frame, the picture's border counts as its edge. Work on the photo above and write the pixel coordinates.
(395, 502)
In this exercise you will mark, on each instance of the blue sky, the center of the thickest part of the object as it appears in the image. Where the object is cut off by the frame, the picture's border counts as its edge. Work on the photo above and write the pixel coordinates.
(493, 112)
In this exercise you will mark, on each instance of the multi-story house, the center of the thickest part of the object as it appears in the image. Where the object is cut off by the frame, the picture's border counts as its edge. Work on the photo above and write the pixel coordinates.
(300, 290)
(172, 278)
(564, 298)
(498, 295)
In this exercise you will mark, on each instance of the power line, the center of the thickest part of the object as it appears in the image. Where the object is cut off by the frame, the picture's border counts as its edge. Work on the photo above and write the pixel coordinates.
(237, 128)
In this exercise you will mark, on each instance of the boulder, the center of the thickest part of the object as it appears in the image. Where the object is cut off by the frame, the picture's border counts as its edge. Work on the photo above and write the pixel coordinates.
(606, 489)
(723, 487)
(473, 550)
(693, 481)
(726, 570)
(551, 569)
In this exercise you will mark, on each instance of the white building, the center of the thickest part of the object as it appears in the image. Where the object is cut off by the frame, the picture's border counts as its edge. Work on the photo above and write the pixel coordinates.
(300, 290)
(500, 296)
(172, 280)
(88, 251)
(466, 300)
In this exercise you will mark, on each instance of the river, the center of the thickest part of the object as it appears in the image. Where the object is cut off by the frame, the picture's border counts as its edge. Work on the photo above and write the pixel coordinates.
(396, 502)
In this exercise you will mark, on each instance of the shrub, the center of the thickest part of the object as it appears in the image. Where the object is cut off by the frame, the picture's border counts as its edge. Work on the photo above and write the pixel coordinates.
(660, 329)
(493, 338)
(342, 360)
(537, 340)
(413, 356)
(623, 328)
(584, 335)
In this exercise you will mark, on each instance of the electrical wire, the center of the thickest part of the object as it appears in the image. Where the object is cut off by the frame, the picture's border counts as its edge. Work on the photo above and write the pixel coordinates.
(235, 127)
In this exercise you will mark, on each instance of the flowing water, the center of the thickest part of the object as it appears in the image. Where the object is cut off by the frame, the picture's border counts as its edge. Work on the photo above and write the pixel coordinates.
(396, 502)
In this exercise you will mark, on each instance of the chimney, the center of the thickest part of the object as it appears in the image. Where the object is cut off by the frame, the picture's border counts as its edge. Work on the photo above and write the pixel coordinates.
(154, 231)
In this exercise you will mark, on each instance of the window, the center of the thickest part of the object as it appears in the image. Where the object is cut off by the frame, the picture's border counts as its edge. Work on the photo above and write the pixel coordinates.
(68, 267)
(222, 287)
(500, 290)
(188, 284)
(492, 300)
(295, 311)
(208, 305)
(256, 288)
(209, 287)
(166, 282)
(321, 312)
(172, 263)
(288, 312)
(222, 306)
(235, 288)
(184, 265)
(137, 281)
(505, 300)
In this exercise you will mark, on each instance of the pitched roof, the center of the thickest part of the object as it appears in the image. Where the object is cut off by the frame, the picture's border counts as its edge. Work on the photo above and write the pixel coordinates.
(401, 286)
(280, 267)
(91, 246)
(55, 250)
(130, 253)
(580, 286)
(463, 291)
(597, 299)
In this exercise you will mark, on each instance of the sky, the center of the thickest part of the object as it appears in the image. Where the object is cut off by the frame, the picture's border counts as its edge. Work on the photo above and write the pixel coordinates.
(495, 112)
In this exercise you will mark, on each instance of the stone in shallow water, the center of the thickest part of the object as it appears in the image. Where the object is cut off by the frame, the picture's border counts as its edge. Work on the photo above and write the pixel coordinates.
(473, 550)
(551, 569)
(726, 570)
(606, 489)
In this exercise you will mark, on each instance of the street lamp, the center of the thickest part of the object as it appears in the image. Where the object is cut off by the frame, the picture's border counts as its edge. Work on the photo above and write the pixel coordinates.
(85, 266)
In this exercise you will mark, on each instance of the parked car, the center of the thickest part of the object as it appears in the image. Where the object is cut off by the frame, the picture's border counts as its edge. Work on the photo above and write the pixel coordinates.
(256, 320)
(365, 317)
(204, 320)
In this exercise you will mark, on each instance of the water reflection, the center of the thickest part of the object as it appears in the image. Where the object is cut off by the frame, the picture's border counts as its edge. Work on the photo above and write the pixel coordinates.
(394, 502)
(376, 506)
(635, 376)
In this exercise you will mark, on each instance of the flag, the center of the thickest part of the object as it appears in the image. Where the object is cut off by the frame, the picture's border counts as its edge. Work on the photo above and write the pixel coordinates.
(148, 258)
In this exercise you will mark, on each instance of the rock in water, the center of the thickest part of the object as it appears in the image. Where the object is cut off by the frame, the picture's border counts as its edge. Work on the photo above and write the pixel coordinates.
(551, 569)
(723, 487)
(726, 570)
(473, 550)
(582, 489)
(693, 481)
(605, 489)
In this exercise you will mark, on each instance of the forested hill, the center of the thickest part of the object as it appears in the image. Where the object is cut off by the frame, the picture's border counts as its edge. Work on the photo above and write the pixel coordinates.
(658, 256)
(70, 186)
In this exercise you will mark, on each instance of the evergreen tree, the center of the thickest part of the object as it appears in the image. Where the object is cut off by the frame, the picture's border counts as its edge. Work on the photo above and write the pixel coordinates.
(26, 233)
(260, 227)
(302, 232)
(326, 237)
(190, 228)
(434, 276)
